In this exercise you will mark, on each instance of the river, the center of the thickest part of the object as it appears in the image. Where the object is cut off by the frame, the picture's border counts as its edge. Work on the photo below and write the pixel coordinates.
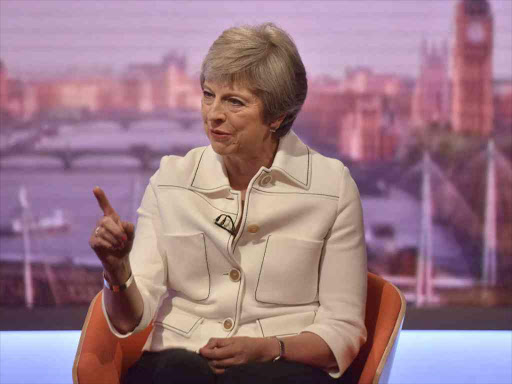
(49, 189)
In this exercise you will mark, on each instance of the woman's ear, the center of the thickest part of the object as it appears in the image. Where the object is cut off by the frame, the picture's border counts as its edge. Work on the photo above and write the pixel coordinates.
(274, 126)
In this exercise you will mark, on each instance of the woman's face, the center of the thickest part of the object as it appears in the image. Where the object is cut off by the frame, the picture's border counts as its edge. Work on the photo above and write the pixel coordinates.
(233, 120)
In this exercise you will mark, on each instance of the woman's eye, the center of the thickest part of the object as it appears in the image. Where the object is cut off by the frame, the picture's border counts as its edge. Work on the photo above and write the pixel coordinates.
(236, 102)
(207, 94)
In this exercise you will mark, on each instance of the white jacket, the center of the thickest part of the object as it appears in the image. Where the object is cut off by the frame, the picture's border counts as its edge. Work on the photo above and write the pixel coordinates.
(298, 262)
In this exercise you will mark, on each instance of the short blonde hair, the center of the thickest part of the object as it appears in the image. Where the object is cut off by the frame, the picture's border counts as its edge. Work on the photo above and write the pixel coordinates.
(264, 59)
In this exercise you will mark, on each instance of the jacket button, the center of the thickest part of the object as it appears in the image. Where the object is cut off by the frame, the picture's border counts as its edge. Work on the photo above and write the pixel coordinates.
(234, 275)
(228, 324)
(253, 228)
(265, 180)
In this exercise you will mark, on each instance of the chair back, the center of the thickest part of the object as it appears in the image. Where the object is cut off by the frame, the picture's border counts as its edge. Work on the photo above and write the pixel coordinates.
(385, 312)
(102, 357)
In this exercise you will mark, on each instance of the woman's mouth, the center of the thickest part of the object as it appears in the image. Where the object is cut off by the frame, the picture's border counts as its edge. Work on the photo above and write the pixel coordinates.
(219, 135)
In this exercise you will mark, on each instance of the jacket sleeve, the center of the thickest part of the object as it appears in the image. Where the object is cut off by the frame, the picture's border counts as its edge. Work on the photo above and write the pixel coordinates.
(343, 280)
(147, 260)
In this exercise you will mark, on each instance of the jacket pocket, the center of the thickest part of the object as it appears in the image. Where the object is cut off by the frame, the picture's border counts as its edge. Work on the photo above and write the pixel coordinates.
(286, 325)
(180, 322)
(187, 262)
(289, 271)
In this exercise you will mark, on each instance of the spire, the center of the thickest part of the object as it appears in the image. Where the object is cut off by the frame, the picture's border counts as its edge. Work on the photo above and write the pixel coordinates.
(433, 51)
(423, 50)
(444, 49)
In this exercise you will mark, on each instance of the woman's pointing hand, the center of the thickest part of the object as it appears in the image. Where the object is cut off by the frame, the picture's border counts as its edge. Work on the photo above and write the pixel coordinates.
(112, 238)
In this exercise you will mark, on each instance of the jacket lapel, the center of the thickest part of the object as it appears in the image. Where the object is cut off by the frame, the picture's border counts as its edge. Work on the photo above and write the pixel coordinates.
(210, 174)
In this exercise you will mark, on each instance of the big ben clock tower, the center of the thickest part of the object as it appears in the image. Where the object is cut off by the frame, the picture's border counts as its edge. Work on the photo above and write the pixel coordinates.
(472, 103)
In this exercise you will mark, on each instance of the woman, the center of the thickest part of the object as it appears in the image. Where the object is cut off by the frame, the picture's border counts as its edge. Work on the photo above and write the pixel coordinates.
(249, 254)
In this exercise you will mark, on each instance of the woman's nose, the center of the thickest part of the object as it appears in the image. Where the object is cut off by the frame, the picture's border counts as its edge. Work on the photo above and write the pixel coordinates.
(216, 111)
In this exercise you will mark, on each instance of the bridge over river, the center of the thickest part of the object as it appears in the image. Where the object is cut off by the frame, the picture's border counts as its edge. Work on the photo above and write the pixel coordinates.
(146, 139)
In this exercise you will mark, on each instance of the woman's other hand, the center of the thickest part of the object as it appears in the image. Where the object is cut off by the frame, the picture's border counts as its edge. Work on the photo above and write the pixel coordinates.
(227, 352)
(112, 238)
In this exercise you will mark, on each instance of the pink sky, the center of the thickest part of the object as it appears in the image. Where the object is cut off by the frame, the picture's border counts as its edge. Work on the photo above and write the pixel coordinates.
(383, 34)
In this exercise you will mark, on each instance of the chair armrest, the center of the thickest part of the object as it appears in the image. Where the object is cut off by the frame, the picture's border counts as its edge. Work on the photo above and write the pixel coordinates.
(99, 356)
(92, 370)
(102, 357)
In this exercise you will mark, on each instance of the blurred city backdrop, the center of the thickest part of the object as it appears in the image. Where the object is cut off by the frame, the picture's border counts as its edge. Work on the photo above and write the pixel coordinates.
(415, 97)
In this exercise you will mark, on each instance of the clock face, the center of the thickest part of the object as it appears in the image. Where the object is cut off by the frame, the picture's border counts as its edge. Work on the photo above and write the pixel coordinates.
(476, 32)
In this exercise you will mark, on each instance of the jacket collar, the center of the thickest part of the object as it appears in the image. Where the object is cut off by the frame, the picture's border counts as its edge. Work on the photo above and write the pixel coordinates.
(293, 161)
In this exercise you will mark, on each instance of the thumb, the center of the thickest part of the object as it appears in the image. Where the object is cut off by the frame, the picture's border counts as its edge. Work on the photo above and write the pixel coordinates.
(129, 229)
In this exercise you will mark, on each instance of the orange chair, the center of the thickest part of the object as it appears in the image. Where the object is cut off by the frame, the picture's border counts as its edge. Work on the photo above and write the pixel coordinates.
(103, 358)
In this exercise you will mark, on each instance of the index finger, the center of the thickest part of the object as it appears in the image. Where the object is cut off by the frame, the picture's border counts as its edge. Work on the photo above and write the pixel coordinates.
(212, 343)
(104, 203)
(224, 351)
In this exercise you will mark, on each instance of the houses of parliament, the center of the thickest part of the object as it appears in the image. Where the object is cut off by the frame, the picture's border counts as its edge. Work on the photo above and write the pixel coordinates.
(467, 100)
(372, 115)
